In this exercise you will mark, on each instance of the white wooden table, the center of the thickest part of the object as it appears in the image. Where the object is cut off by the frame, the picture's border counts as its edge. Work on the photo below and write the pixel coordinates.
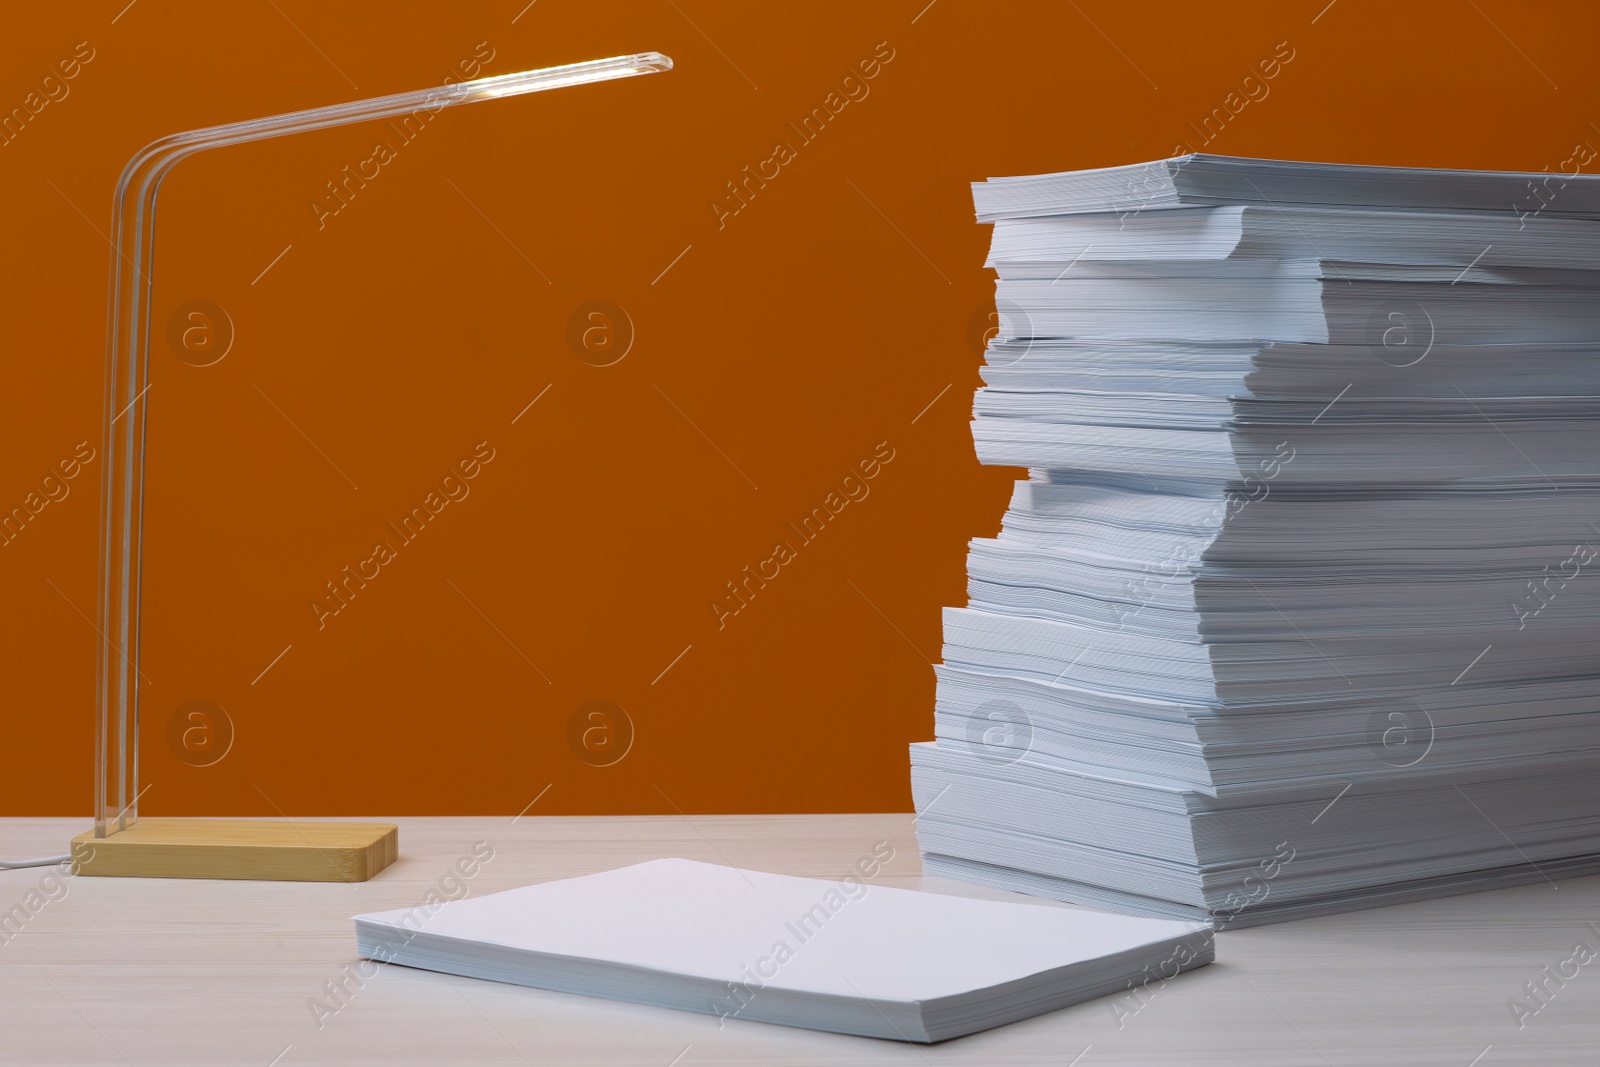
(145, 971)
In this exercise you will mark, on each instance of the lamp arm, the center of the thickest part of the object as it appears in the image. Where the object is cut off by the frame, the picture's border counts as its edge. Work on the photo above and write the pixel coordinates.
(133, 213)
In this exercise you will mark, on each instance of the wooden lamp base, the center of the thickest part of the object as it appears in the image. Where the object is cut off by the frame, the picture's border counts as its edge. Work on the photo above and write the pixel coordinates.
(260, 849)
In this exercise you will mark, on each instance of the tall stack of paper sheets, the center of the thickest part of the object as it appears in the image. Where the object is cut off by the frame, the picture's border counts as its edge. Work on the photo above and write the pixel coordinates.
(1297, 611)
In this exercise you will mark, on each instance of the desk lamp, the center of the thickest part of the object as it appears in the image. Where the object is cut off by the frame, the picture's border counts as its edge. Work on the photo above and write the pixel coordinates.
(121, 843)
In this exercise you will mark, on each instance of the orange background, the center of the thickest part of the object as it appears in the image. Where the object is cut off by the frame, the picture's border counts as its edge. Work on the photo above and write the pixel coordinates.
(771, 355)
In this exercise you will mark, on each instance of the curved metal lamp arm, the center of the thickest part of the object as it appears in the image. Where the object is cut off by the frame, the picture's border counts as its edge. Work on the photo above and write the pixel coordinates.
(127, 366)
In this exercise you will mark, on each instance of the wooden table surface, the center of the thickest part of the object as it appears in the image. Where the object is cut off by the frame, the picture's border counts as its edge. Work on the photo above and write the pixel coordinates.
(147, 971)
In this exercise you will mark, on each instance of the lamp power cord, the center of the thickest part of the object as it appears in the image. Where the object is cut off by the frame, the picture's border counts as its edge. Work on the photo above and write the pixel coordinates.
(43, 861)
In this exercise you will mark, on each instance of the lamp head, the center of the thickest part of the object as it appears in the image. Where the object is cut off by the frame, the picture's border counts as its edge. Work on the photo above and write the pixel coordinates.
(533, 81)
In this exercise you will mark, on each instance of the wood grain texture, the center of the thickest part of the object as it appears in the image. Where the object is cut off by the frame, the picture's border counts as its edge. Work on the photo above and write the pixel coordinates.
(247, 849)
(152, 971)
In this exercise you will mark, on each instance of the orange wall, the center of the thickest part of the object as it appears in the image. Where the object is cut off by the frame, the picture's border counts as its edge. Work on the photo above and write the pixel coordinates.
(774, 351)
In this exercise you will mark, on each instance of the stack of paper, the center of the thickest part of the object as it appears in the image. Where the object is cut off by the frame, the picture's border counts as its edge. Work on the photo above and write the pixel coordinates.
(1297, 610)
(846, 956)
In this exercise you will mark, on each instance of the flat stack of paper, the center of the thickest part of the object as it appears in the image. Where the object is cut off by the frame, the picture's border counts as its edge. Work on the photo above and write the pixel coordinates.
(1296, 612)
(845, 956)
